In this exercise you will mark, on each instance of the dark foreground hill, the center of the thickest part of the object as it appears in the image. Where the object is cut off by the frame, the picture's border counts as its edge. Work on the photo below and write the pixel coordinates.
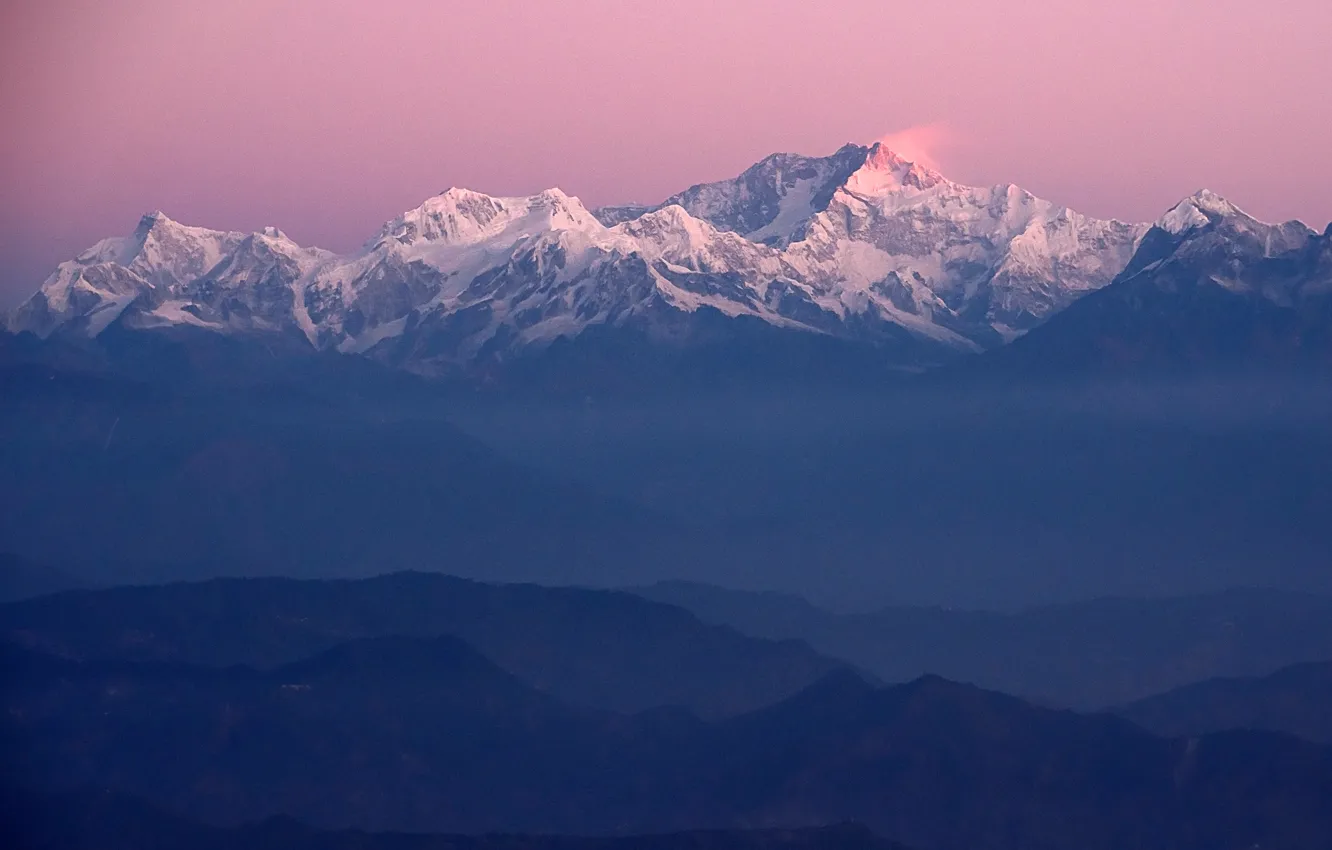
(427, 735)
(93, 820)
(592, 647)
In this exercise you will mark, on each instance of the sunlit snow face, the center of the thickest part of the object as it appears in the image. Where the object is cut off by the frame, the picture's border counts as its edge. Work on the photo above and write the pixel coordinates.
(921, 144)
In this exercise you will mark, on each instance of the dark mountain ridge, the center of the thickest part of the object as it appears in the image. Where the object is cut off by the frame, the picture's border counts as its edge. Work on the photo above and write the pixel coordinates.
(1087, 655)
(1296, 699)
(446, 742)
(592, 647)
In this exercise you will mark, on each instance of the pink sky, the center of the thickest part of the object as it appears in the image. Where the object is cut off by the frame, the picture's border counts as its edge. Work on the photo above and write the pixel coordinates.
(327, 117)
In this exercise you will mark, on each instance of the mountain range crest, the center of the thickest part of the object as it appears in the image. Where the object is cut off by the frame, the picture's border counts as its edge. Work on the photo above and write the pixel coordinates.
(861, 244)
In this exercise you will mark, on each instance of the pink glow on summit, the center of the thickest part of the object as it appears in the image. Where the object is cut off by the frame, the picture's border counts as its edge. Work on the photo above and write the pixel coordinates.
(327, 117)
(925, 144)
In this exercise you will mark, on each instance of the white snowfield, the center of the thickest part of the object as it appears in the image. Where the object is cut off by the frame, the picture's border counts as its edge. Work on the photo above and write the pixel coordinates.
(860, 244)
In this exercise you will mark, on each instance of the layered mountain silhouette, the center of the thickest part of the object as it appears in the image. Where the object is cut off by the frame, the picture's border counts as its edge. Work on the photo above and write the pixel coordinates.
(1096, 654)
(1294, 699)
(424, 734)
(598, 648)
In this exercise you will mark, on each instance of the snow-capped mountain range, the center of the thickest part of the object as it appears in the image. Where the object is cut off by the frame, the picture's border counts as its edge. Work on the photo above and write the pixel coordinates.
(861, 244)
(1210, 288)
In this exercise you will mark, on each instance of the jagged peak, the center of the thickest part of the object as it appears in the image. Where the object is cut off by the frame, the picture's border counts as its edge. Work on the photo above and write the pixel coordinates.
(884, 172)
(463, 216)
(556, 195)
(784, 159)
(880, 156)
(1209, 201)
(158, 224)
(153, 219)
(1199, 210)
(271, 239)
(455, 194)
(671, 224)
(851, 147)
(673, 214)
(468, 201)
(149, 224)
(458, 192)
(452, 199)
(777, 158)
(161, 243)
(1191, 213)
(1205, 210)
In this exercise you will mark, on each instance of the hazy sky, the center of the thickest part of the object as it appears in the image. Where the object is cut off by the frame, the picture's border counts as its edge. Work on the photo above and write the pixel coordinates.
(327, 117)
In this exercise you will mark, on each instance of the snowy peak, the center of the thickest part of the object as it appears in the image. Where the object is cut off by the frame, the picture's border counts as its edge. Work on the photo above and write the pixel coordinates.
(1217, 225)
(1199, 210)
(885, 172)
(453, 216)
(673, 235)
(771, 200)
(464, 217)
(167, 253)
(1206, 199)
(157, 227)
(879, 157)
(154, 236)
(148, 221)
(670, 225)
